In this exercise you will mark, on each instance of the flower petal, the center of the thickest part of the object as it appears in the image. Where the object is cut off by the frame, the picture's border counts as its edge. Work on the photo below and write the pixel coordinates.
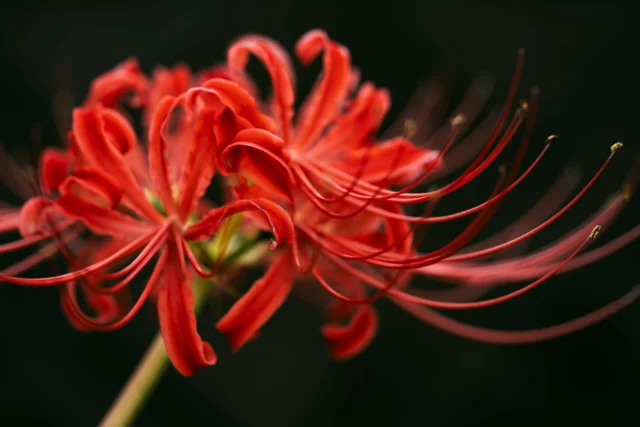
(278, 66)
(325, 101)
(93, 186)
(100, 220)
(186, 349)
(107, 308)
(281, 225)
(158, 167)
(212, 127)
(222, 71)
(240, 101)
(255, 308)
(347, 341)
(102, 137)
(257, 154)
(110, 88)
(55, 165)
(165, 81)
(37, 215)
(353, 129)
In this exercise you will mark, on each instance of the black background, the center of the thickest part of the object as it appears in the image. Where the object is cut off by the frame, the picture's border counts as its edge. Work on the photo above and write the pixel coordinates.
(584, 59)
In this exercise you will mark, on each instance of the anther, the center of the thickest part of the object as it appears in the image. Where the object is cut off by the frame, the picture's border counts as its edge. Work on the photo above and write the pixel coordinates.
(410, 128)
(615, 147)
(552, 138)
(595, 232)
(626, 193)
(524, 106)
(458, 121)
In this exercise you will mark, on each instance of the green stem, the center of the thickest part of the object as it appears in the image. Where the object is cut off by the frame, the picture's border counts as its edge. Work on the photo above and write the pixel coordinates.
(147, 374)
(139, 386)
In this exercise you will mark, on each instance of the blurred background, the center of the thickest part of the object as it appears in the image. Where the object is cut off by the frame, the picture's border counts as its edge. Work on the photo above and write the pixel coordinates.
(583, 57)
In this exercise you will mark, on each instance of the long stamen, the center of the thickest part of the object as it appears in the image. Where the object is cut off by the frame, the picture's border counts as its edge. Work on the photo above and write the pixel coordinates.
(33, 239)
(401, 261)
(43, 253)
(65, 278)
(142, 258)
(614, 148)
(518, 337)
(468, 175)
(350, 190)
(402, 217)
(542, 209)
(478, 166)
(494, 199)
(153, 249)
(310, 263)
(366, 204)
(72, 301)
(372, 298)
(507, 297)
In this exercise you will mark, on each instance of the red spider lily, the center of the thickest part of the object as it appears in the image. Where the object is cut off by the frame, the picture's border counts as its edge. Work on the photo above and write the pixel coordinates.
(345, 192)
(148, 212)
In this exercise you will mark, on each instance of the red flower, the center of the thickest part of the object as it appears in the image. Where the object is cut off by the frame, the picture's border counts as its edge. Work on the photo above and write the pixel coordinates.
(320, 180)
(148, 212)
(346, 192)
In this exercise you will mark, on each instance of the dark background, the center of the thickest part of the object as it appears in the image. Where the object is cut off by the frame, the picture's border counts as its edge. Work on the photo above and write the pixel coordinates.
(584, 59)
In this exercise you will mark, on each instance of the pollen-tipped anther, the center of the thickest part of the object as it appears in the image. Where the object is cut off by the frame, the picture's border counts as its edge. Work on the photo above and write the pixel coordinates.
(458, 121)
(552, 138)
(615, 147)
(626, 193)
(595, 232)
(524, 106)
(410, 128)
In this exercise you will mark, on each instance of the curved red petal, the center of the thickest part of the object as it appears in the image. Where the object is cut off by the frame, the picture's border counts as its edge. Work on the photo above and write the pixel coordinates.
(200, 163)
(165, 81)
(347, 341)
(240, 101)
(158, 167)
(256, 307)
(102, 136)
(325, 101)
(93, 186)
(186, 349)
(55, 165)
(37, 215)
(281, 225)
(222, 71)
(353, 128)
(277, 64)
(107, 308)
(110, 88)
(257, 154)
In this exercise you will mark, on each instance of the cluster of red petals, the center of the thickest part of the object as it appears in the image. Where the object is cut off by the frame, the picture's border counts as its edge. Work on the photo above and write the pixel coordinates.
(106, 181)
(333, 196)
(346, 193)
